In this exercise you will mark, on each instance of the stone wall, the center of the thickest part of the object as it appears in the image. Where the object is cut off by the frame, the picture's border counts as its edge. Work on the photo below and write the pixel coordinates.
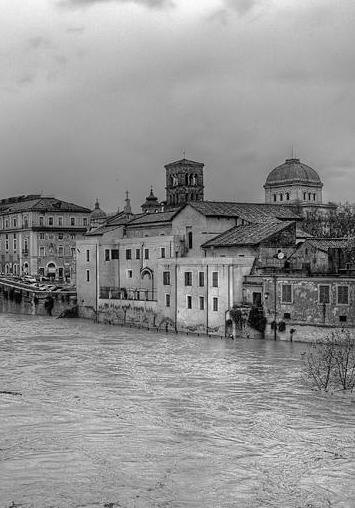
(20, 301)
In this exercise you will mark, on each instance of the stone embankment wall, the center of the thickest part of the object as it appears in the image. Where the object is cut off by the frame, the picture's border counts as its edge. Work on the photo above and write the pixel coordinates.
(25, 301)
(301, 332)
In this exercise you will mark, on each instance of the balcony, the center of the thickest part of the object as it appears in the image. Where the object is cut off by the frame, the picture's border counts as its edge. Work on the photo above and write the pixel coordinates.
(114, 293)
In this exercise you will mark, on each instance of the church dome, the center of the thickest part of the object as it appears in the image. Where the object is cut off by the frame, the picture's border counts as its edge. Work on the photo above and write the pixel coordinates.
(97, 213)
(293, 171)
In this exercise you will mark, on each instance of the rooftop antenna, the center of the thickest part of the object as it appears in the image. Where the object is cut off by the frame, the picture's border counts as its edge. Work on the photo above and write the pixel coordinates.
(184, 154)
(292, 152)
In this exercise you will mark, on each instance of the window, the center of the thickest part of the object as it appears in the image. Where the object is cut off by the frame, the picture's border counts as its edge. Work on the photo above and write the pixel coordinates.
(189, 239)
(60, 221)
(7, 242)
(202, 303)
(87, 275)
(324, 294)
(130, 274)
(215, 304)
(201, 279)
(87, 256)
(146, 253)
(128, 254)
(189, 302)
(72, 237)
(275, 197)
(287, 196)
(314, 197)
(215, 279)
(188, 278)
(72, 251)
(304, 196)
(60, 236)
(85, 221)
(343, 295)
(281, 197)
(107, 254)
(14, 243)
(25, 222)
(309, 196)
(167, 300)
(115, 254)
(166, 278)
(14, 222)
(42, 236)
(287, 315)
(138, 253)
(42, 252)
(25, 245)
(162, 252)
(50, 221)
(60, 251)
(72, 221)
(41, 221)
(342, 319)
(286, 293)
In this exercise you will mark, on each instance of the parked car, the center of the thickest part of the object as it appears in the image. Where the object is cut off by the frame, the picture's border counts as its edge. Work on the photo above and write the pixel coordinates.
(28, 278)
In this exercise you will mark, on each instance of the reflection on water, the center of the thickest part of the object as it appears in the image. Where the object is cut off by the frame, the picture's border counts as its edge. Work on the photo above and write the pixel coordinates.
(123, 417)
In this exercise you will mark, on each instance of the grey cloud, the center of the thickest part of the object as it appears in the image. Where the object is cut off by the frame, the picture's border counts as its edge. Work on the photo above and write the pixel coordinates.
(144, 3)
(241, 6)
(39, 42)
(75, 30)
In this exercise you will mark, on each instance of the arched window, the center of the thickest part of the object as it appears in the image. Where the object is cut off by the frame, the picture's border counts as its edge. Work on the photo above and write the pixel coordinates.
(304, 196)
(281, 197)
(314, 197)
(309, 196)
(186, 179)
(287, 196)
(275, 197)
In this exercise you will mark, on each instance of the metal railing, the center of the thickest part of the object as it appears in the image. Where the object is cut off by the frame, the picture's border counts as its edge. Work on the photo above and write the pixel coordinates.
(114, 293)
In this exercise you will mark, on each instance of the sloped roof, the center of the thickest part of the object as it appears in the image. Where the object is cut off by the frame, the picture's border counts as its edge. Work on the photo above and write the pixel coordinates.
(250, 234)
(151, 218)
(42, 204)
(327, 243)
(184, 162)
(252, 212)
(112, 223)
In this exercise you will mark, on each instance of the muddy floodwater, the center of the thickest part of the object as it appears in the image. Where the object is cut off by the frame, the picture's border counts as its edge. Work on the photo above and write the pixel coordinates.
(99, 416)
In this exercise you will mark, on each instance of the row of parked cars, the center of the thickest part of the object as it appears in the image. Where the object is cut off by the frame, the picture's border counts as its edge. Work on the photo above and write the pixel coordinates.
(41, 283)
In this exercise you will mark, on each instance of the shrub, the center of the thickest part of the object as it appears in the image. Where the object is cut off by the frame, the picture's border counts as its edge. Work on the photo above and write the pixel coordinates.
(329, 364)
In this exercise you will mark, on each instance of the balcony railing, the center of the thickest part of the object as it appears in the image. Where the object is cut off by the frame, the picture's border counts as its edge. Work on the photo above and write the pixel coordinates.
(114, 293)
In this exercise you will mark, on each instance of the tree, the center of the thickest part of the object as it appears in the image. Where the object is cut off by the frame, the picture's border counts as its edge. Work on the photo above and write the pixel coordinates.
(329, 364)
(338, 223)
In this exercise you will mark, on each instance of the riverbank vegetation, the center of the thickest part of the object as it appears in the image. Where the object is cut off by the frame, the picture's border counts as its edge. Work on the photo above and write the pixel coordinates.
(329, 364)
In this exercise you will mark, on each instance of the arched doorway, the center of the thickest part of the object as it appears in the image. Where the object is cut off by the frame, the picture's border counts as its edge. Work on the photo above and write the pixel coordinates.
(147, 284)
(25, 268)
(51, 270)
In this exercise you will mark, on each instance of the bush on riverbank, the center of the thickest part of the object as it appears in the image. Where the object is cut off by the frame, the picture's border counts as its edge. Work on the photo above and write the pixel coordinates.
(329, 364)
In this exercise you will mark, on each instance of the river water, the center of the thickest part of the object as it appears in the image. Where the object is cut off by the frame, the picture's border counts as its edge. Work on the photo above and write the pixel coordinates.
(110, 416)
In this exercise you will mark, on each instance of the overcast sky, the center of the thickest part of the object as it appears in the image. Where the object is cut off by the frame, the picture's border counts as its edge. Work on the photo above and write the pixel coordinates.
(97, 95)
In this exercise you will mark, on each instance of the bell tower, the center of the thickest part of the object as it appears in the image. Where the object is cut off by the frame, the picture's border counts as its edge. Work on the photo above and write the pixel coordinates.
(184, 182)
